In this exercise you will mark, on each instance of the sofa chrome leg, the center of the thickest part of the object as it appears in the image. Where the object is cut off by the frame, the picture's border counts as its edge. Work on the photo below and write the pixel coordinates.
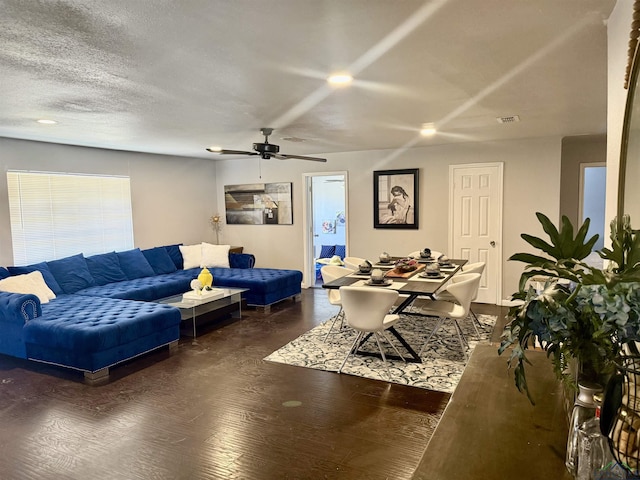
(97, 376)
(173, 347)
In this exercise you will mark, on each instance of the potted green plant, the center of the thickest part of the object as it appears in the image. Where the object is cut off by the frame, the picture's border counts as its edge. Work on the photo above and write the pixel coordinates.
(583, 314)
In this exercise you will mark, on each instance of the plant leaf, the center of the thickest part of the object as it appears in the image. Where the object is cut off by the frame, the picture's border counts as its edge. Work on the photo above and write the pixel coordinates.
(541, 245)
(528, 258)
(549, 228)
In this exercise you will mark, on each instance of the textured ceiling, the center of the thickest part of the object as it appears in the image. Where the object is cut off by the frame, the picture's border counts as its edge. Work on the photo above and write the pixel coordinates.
(174, 77)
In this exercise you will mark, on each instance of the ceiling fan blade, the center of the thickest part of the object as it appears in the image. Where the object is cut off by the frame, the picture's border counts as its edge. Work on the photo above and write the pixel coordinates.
(231, 152)
(283, 156)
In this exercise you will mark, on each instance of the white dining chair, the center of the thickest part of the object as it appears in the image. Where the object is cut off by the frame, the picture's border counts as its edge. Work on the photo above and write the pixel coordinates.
(367, 311)
(462, 290)
(330, 273)
(476, 267)
(353, 263)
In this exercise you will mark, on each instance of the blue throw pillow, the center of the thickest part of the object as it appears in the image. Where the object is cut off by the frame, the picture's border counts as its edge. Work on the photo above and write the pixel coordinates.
(49, 279)
(327, 251)
(71, 273)
(105, 268)
(176, 255)
(4, 273)
(341, 251)
(241, 260)
(159, 260)
(134, 265)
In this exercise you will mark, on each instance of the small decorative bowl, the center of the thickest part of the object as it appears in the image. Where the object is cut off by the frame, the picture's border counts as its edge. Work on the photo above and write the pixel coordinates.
(365, 267)
(405, 265)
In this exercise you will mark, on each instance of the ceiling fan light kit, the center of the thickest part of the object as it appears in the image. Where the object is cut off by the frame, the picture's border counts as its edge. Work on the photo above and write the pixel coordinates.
(265, 149)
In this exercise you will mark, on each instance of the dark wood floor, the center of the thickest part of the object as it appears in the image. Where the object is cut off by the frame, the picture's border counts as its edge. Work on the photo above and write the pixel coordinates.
(215, 410)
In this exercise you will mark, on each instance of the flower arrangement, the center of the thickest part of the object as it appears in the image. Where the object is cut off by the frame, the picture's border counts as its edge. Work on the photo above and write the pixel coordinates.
(407, 264)
(583, 314)
(216, 225)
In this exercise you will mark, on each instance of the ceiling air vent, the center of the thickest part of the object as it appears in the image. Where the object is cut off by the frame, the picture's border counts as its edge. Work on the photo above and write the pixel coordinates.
(509, 119)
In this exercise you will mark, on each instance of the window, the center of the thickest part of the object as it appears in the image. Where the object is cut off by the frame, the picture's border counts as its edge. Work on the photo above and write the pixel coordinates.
(54, 215)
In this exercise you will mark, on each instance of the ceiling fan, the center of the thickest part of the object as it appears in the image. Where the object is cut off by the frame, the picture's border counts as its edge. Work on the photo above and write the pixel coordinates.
(266, 150)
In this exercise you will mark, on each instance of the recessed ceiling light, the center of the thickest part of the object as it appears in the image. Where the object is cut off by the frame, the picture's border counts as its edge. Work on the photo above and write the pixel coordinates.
(428, 129)
(215, 149)
(44, 121)
(340, 79)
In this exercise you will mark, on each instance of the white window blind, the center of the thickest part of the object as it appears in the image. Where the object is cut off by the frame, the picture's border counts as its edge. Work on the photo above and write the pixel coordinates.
(54, 215)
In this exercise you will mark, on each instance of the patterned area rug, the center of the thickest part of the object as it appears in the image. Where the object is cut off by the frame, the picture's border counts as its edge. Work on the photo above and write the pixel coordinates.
(442, 361)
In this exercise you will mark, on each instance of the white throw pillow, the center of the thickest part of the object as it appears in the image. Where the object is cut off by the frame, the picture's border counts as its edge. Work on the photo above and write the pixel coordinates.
(38, 279)
(29, 283)
(191, 255)
(215, 255)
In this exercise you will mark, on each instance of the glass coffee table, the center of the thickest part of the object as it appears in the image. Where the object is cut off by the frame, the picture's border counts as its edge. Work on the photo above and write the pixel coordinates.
(229, 300)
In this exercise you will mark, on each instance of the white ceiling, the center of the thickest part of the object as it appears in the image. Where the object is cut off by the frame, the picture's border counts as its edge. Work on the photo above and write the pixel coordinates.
(173, 77)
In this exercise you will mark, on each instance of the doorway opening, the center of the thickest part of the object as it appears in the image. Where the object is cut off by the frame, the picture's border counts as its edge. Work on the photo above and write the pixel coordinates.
(326, 222)
(593, 178)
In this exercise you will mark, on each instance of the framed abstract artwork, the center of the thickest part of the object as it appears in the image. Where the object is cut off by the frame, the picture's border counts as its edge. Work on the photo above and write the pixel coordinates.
(395, 199)
(259, 204)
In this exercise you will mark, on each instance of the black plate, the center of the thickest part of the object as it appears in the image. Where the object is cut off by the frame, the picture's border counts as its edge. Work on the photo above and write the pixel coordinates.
(435, 277)
(386, 283)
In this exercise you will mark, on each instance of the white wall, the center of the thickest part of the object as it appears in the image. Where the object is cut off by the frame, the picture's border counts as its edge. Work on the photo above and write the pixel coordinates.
(531, 183)
(618, 28)
(172, 197)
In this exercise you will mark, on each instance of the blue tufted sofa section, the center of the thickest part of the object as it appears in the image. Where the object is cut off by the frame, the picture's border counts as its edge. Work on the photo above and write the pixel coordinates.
(15, 310)
(104, 314)
(266, 285)
(145, 289)
(89, 333)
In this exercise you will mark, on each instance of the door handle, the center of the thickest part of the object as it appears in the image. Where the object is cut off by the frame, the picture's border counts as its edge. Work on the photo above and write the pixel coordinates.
(492, 243)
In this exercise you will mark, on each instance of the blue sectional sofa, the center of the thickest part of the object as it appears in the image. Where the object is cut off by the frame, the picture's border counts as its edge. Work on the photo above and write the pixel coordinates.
(104, 311)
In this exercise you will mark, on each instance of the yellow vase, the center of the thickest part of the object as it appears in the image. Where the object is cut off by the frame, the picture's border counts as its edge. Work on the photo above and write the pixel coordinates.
(205, 278)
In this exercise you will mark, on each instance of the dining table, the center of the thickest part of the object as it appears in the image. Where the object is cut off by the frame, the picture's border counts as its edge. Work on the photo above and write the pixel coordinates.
(413, 285)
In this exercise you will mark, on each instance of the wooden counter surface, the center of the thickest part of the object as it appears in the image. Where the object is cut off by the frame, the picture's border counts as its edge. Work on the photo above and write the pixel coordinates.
(489, 430)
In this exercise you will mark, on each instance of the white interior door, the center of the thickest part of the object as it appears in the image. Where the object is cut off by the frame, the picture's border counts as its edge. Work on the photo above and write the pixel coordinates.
(475, 216)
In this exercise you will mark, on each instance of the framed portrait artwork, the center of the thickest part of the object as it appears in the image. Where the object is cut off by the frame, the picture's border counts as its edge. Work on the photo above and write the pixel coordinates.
(395, 199)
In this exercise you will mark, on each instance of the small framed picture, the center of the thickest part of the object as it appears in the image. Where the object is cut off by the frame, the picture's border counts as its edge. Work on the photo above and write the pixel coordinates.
(395, 199)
